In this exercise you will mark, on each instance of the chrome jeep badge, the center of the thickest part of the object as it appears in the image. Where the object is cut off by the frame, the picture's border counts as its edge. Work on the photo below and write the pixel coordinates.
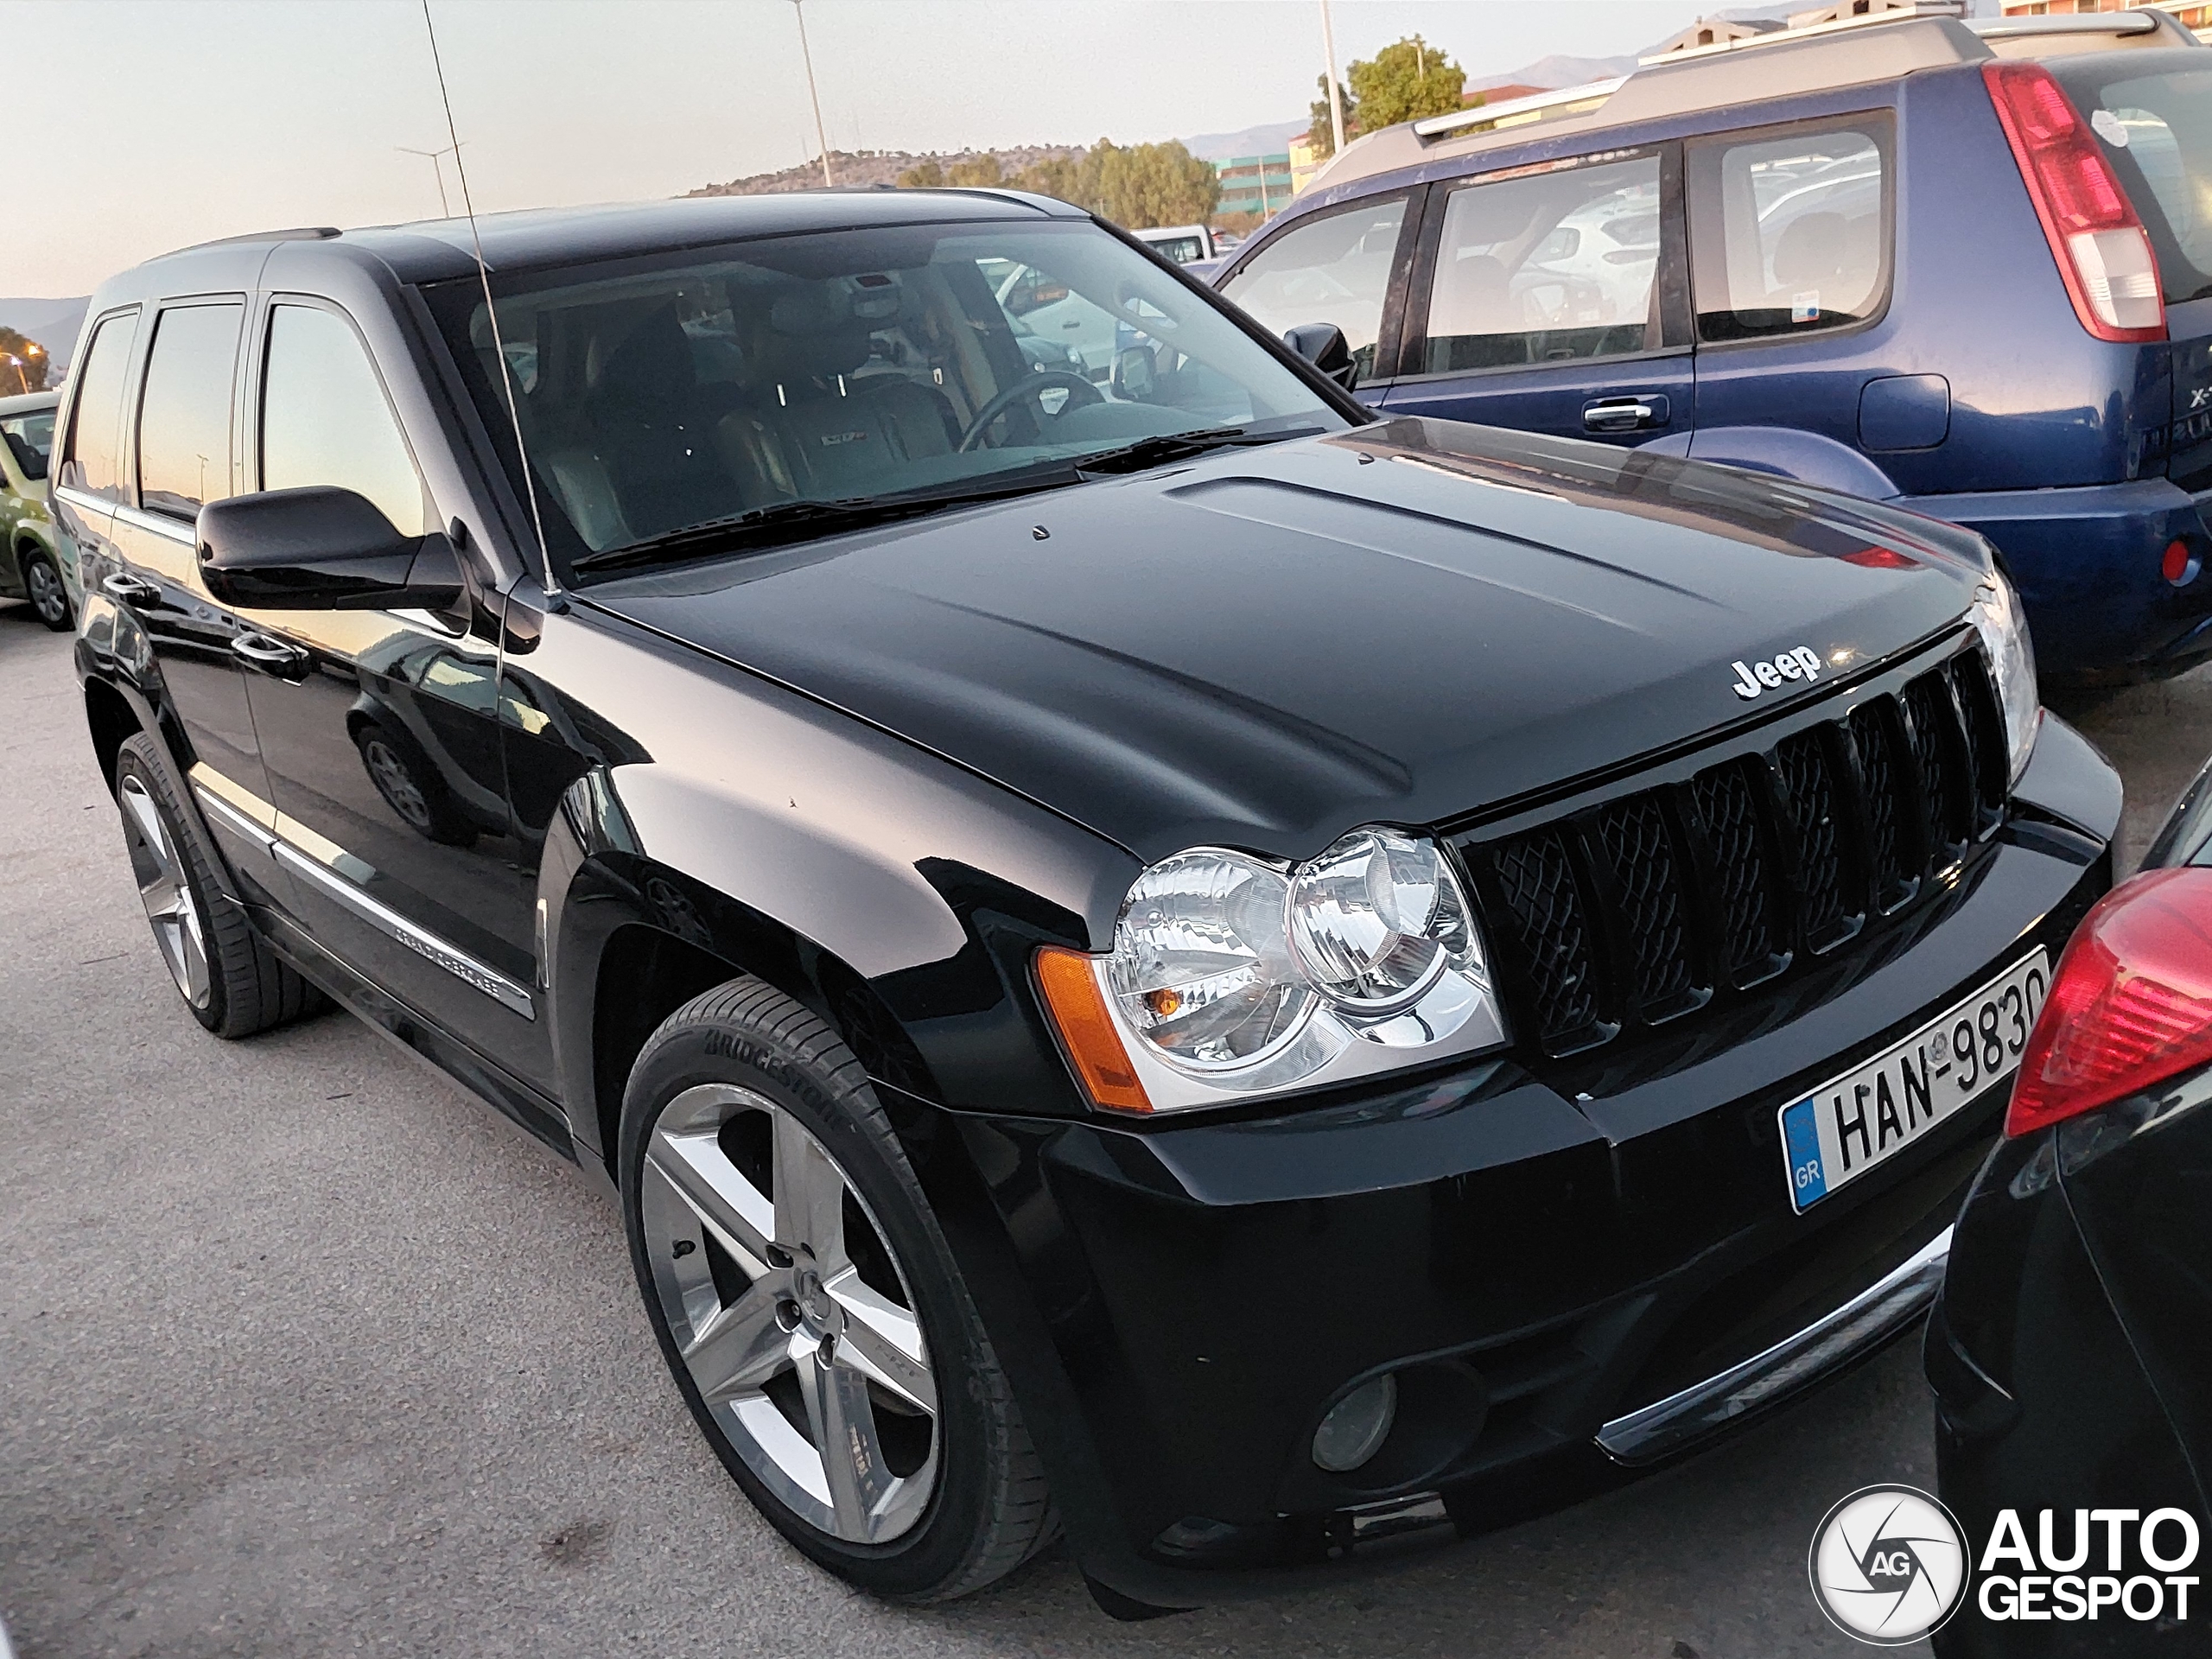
(1754, 677)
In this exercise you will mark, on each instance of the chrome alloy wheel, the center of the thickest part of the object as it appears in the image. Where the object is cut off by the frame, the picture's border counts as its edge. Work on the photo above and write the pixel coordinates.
(795, 1321)
(179, 929)
(396, 783)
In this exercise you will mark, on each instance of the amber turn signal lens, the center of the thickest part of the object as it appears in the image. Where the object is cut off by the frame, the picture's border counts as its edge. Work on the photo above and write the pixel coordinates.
(1086, 1029)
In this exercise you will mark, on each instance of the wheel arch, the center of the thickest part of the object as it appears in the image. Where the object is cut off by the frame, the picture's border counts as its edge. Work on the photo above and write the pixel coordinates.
(114, 722)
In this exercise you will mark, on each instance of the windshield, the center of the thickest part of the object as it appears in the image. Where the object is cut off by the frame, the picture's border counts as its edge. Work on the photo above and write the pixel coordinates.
(2157, 132)
(29, 439)
(690, 389)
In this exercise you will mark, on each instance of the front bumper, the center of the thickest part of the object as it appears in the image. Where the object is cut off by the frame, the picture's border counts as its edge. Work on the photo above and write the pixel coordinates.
(1542, 1259)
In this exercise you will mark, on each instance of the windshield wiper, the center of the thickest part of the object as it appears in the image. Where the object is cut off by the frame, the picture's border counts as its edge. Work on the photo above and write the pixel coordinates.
(1182, 446)
(785, 522)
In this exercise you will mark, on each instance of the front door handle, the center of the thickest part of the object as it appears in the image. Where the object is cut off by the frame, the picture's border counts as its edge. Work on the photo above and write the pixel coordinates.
(1626, 414)
(266, 654)
(129, 590)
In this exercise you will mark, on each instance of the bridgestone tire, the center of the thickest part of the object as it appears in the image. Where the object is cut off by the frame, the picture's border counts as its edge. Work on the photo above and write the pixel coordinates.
(249, 990)
(989, 1510)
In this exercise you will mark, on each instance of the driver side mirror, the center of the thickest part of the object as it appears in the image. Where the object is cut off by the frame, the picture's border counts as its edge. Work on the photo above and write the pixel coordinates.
(321, 548)
(1324, 345)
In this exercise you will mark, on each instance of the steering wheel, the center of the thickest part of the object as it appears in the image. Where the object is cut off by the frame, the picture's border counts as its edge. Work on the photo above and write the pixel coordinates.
(1080, 392)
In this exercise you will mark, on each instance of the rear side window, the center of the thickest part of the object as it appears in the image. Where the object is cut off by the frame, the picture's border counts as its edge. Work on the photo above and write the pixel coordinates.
(325, 420)
(29, 439)
(1790, 232)
(2157, 132)
(184, 417)
(1548, 268)
(94, 461)
(1332, 269)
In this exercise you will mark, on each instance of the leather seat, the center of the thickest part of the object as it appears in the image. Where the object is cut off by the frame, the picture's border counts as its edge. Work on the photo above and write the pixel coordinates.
(652, 429)
(838, 433)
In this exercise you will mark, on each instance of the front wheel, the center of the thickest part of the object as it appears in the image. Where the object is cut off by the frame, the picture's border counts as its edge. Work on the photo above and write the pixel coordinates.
(810, 1310)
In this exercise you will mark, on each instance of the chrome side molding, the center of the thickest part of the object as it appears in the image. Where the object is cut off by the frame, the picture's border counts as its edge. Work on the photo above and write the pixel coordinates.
(1869, 1318)
(334, 884)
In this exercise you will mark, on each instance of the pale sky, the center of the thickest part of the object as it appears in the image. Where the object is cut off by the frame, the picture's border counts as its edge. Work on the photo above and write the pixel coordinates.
(142, 125)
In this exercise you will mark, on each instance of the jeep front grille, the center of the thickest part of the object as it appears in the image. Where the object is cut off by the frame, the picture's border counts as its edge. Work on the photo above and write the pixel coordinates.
(1639, 909)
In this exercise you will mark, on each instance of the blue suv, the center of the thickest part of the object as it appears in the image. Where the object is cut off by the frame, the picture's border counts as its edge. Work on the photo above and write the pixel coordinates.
(1966, 268)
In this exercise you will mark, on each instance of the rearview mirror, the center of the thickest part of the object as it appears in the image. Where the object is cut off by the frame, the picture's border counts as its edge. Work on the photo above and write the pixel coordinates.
(1133, 378)
(321, 548)
(1324, 345)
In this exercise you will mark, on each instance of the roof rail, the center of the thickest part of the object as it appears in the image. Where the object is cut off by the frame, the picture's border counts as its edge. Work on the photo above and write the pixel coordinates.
(1515, 109)
(304, 233)
(1814, 31)
(2138, 21)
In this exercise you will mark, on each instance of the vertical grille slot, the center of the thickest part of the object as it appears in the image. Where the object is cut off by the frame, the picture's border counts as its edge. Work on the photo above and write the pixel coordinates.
(1938, 745)
(1893, 854)
(1754, 935)
(1985, 730)
(1648, 876)
(1828, 915)
(1550, 922)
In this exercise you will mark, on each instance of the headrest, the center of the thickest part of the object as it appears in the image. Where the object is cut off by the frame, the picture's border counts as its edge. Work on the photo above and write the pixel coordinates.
(652, 364)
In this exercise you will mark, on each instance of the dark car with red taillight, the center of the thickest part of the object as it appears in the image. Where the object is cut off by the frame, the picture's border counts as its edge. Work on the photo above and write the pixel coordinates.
(2070, 1348)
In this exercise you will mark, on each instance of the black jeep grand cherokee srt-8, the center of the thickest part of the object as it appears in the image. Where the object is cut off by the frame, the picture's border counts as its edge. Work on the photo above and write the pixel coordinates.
(1164, 958)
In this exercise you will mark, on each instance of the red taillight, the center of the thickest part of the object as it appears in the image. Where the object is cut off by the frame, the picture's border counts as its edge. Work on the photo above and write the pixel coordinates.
(2102, 250)
(2176, 564)
(2130, 1006)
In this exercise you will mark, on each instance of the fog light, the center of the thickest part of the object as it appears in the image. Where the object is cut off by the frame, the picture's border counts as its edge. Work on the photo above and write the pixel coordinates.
(1357, 1426)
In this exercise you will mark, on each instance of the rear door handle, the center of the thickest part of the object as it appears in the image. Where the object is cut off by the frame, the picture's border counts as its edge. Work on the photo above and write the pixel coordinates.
(129, 590)
(1626, 414)
(266, 654)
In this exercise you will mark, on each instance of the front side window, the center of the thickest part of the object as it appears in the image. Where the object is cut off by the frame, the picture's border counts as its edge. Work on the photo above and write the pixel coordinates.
(848, 369)
(1335, 269)
(325, 419)
(1790, 234)
(1550, 267)
(29, 439)
(184, 415)
(93, 462)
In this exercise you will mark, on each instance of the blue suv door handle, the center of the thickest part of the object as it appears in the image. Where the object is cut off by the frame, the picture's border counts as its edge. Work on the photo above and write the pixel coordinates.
(1625, 413)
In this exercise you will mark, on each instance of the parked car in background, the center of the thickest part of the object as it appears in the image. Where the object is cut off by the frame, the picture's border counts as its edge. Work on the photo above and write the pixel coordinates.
(36, 562)
(1964, 268)
(1178, 962)
(1180, 245)
(1050, 311)
(2071, 1348)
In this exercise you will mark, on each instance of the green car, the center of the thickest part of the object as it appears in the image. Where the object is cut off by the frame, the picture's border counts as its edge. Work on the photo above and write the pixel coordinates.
(37, 561)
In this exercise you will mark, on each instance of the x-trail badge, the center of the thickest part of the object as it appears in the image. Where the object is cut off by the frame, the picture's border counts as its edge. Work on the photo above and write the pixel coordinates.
(1752, 678)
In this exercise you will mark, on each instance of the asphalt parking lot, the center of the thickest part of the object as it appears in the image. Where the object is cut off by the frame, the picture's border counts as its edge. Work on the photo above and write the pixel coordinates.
(300, 1352)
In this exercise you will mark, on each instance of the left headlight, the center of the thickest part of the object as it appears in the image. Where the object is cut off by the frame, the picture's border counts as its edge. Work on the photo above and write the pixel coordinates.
(2003, 625)
(1233, 976)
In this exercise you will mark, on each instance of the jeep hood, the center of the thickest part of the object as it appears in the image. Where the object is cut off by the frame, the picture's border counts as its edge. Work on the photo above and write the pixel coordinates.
(1404, 623)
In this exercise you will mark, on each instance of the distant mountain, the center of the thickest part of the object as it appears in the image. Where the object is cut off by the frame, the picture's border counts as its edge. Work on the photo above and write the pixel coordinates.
(879, 166)
(1270, 140)
(53, 323)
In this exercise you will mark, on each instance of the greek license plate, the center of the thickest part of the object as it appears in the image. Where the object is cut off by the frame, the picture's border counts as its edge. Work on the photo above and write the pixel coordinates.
(1847, 1126)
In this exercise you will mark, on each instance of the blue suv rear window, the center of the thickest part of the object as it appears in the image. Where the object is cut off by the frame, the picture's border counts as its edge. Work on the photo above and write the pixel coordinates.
(2156, 131)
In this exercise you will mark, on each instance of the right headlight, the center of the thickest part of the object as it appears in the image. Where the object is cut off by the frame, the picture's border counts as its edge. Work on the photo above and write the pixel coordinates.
(1232, 976)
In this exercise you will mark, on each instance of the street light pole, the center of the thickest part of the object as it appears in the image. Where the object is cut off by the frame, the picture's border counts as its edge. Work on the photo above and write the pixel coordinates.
(1336, 98)
(821, 132)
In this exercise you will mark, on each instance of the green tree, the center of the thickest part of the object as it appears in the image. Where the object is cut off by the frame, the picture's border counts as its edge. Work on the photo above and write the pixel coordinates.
(1146, 185)
(30, 363)
(1322, 134)
(1405, 81)
(926, 176)
(978, 171)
